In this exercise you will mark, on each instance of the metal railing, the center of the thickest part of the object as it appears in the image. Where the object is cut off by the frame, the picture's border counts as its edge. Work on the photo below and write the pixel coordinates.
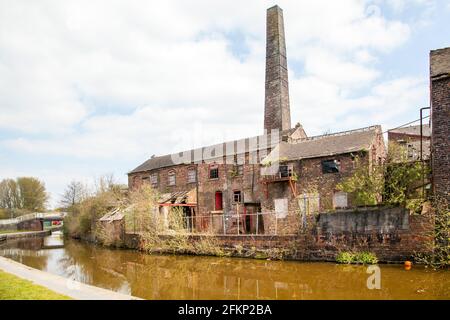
(231, 224)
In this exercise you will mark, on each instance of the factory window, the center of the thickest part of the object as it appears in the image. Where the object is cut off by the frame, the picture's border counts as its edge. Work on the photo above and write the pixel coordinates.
(330, 166)
(214, 172)
(237, 196)
(154, 179)
(192, 175)
(286, 171)
(172, 178)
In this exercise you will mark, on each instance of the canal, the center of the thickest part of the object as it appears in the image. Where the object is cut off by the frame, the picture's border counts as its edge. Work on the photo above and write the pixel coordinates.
(194, 277)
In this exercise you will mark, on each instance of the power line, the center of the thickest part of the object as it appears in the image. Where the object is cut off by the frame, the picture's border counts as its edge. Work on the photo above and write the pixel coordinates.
(406, 124)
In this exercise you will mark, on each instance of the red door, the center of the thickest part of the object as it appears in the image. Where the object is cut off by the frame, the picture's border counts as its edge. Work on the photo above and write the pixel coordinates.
(219, 202)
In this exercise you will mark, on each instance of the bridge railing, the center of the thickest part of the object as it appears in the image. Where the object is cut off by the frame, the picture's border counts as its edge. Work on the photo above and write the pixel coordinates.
(32, 216)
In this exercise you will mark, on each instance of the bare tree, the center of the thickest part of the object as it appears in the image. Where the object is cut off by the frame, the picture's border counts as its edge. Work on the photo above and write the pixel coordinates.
(74, 194)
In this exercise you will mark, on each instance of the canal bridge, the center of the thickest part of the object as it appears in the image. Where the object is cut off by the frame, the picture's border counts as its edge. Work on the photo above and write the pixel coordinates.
(34, 221)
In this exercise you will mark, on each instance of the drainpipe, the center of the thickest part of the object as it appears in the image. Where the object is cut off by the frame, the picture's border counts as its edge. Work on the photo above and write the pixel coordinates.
(421, 149)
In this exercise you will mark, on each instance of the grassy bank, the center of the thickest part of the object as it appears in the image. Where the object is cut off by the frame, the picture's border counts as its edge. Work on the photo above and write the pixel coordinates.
(12, 231)
(15, 288)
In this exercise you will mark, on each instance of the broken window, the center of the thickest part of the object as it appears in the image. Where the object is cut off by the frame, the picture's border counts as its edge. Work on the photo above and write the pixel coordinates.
(192, 175)
(330, 166)
(172, 178)
(286, 171)
(154, 179)
(237, 196)
(214, 172)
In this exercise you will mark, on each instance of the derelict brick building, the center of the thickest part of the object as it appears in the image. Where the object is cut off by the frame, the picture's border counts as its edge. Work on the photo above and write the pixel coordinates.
(252, 181)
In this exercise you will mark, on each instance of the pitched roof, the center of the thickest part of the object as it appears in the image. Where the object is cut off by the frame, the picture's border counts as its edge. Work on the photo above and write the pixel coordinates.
(326, 145)
(252, 144)
(413, 130)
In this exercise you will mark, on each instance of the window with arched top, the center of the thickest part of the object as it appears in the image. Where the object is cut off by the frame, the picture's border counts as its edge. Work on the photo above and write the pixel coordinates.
(171, 178)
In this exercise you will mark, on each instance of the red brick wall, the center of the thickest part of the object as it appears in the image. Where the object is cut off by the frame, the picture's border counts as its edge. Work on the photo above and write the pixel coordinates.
(440, 120)
(440, 95)
(395, 243)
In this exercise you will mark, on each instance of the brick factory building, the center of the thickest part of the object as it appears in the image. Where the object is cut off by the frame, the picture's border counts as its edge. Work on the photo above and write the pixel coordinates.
(273, 181)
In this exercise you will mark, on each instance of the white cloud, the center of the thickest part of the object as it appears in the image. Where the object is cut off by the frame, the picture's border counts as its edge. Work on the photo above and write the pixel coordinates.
(106, 80)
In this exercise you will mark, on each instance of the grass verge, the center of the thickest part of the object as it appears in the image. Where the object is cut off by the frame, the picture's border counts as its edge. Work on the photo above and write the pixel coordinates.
(15, 288)
(13, 231)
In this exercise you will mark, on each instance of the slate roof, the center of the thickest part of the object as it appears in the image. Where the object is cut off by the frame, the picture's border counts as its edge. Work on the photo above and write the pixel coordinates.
(167, 160)
(326, 145)
(414, 130)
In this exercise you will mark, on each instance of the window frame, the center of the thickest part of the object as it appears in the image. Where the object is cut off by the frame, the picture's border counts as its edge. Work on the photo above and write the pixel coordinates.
(337, 166)
(290, 170)
(171, 174)
(211, 168)
(239, 194)
(191, 179)
(154, 176)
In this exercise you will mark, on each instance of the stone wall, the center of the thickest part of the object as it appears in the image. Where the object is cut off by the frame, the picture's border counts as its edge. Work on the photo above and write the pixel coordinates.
(30, 225)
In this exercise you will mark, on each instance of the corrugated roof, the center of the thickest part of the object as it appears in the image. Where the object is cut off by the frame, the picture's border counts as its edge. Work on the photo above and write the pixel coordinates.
(114, 215)
(174, 197)
(414, 130)
(326, 145)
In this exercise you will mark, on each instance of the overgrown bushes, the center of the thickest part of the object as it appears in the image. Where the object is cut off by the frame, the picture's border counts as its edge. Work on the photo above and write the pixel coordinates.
(395, 182)
(347, 257)
(82, 220)
(438, 248)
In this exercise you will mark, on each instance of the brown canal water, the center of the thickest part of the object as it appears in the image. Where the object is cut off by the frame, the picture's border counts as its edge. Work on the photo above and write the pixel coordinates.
(194, 277)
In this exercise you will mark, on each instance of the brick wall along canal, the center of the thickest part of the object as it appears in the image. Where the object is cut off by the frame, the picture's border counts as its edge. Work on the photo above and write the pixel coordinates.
(193, 277)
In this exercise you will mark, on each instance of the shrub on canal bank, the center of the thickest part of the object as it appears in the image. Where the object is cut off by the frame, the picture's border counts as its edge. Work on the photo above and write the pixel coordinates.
(82, 220)
(438, 255)
(347, 257)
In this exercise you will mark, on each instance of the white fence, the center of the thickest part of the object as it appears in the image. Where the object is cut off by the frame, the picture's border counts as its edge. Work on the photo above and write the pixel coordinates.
(32, 216)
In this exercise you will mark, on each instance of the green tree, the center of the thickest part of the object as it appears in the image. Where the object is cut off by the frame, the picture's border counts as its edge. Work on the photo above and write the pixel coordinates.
(33, 195)
(366, 184)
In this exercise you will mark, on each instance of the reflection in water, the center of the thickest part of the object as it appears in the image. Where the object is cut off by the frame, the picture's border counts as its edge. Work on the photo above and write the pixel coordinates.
(189, 277)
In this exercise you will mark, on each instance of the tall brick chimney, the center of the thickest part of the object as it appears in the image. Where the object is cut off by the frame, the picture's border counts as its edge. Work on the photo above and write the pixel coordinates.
(277, 114)
(440, 120)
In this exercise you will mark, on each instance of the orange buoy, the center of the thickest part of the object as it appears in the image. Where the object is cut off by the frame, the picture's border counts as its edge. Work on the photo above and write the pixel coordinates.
(408, 265)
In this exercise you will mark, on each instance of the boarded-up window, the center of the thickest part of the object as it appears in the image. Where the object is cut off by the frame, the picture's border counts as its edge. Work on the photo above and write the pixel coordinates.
(154, 179)
(281, 207)
(192, 176)
(340, 199)
(172, 178)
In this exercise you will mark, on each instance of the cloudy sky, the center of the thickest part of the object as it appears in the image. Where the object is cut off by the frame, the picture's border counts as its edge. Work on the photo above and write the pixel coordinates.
(95, 87)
